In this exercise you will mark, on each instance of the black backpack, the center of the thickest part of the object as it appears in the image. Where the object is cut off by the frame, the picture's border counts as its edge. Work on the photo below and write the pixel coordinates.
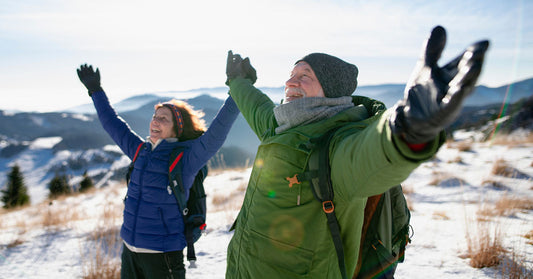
(386, 218)
(194, 209)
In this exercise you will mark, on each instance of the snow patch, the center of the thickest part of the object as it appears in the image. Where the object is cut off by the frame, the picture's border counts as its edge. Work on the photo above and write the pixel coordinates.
(45, 143)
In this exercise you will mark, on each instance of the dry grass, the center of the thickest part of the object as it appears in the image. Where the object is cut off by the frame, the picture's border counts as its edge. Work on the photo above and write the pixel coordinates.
(229, 203)
(408, 191)
(507, 206)
(484, 239)
(463, 146)
(445, 180)
(59, 215)
(500, 167)
(515, 267)
(512, 141)
(440, 215)
(456, 160)
(15, 243)
(494, 183)
(103, 260)
(103, 257)
(529, 237)
(437, 177)
(484, 244)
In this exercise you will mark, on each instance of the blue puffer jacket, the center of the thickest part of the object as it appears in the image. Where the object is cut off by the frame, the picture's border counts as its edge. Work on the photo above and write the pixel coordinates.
(151, 216)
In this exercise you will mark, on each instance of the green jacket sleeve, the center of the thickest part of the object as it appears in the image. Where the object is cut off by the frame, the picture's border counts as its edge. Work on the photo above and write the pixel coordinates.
(255, 106)
(370, 161)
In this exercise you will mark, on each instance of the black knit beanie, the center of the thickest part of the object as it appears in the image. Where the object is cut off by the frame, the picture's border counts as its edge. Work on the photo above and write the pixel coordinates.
(337, 77)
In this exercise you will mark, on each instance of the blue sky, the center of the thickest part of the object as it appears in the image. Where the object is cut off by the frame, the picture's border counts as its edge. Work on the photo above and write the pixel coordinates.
(155, 46)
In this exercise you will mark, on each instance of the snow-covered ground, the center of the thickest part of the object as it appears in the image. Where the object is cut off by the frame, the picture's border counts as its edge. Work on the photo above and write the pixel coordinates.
(443, 215)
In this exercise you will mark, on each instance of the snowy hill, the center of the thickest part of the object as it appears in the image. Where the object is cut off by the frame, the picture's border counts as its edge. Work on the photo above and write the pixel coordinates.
(46, 144)
(454, 196)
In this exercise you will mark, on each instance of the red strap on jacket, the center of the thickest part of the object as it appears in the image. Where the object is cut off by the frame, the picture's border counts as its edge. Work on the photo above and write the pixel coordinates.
(175, 162)
(137, 152)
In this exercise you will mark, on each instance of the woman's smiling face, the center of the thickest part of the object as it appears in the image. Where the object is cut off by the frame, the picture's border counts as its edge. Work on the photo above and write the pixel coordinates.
(162, 125)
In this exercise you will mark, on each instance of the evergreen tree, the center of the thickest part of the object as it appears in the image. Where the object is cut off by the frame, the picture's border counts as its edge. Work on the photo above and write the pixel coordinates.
(58, 186)
(86, 183)
(16, 193)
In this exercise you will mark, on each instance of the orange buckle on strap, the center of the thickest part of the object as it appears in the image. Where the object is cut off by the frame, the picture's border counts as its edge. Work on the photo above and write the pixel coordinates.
(328, 206)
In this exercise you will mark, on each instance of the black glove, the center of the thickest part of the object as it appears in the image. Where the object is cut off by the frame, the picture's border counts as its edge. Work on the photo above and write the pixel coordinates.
(90, 78)
(237, 67)
(434, 96)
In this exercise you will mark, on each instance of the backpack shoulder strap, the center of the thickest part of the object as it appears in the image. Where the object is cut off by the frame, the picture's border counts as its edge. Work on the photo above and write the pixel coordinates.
(319, 175)
(175, 179)
(130, 167)
(137, 151)
(196, 193)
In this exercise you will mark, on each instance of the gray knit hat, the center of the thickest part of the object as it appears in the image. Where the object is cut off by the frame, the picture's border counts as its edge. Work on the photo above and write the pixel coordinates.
(337, 77)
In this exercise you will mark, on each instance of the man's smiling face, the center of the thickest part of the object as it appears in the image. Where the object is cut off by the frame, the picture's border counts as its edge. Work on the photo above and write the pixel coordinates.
(302, 83)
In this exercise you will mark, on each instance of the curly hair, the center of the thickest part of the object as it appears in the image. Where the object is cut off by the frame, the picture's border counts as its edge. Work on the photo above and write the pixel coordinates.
(193, 122)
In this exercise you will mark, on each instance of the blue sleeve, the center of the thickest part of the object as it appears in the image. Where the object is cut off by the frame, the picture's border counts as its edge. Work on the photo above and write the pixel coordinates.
(206, 146)
(115, 126)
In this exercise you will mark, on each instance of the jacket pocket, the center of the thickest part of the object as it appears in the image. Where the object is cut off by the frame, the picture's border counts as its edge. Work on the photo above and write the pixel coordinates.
(289, 260)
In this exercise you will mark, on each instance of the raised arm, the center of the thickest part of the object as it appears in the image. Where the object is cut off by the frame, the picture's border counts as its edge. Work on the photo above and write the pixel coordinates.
(206, 146)
(256, 107)
(433, 99)
(113, 124)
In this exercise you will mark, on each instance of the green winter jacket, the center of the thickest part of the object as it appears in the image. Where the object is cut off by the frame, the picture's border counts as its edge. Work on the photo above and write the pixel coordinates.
(281, 230)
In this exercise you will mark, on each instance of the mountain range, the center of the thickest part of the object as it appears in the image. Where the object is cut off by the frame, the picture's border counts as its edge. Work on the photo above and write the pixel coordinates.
(75, 142)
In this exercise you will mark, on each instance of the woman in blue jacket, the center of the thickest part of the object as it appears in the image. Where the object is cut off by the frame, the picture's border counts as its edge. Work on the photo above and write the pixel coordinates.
(153, 228)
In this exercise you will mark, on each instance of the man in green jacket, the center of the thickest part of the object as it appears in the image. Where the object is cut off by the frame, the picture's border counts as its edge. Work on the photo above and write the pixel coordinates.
(281, 231)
